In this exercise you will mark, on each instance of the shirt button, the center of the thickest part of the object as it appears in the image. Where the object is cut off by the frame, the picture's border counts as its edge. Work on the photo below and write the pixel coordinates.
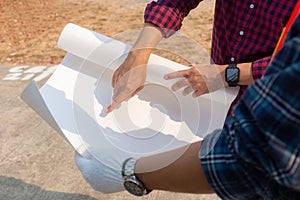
(232, 59)
(241, 32)
(251, 5)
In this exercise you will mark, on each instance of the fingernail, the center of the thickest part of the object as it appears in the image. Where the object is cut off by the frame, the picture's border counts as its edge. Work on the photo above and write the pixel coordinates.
(107, 110)
(166, 77)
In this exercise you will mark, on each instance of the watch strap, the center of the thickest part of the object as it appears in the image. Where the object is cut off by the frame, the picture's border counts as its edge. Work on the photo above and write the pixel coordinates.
(232, 84)
(128, 167)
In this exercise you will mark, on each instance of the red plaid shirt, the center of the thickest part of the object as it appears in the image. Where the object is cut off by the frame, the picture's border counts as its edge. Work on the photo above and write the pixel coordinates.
(244, 31)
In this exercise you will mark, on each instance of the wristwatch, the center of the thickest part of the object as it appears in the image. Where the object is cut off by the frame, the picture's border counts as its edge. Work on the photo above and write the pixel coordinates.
(131, 183)
(232, 75)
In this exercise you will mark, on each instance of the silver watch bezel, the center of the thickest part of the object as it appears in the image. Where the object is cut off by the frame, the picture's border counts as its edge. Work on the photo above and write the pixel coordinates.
(131, 183)
(134, 186)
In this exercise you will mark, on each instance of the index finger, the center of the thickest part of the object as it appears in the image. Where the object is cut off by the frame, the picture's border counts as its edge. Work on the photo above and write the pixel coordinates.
(177, 74)
(119, 96)
(111, 107)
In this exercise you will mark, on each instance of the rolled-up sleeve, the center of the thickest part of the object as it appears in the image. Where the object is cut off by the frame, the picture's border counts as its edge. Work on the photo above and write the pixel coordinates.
(259, 67)
(169, 14)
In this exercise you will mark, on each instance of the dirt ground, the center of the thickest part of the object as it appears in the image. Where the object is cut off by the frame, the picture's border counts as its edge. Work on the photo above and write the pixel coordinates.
(30, 28)
(35, 163)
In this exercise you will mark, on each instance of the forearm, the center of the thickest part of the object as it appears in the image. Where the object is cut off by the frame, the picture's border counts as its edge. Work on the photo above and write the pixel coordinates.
(148, 39)
(246, 77)
(178, 170)
(249, 72)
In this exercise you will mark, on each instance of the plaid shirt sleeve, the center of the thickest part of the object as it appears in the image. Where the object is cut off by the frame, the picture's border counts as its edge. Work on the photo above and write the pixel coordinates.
(267, 119)
(259, 67)
(169, 14)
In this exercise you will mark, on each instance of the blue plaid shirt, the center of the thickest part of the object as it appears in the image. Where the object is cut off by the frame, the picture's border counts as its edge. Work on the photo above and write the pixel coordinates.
(266, 121)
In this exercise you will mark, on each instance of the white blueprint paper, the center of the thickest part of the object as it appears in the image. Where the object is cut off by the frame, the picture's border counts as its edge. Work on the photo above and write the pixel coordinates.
(155, 120)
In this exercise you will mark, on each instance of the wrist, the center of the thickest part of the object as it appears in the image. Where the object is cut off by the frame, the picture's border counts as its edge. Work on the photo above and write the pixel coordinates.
(222, 69)
(140, 53)
(246, 77)
(132, 183)
(245, 73)
(138, 58)
(144, 174)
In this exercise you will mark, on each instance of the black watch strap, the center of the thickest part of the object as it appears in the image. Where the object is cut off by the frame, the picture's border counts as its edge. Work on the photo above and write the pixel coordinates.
(232, 84)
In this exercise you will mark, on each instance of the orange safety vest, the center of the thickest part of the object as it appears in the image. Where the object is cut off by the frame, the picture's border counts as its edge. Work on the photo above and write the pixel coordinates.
(287, 28)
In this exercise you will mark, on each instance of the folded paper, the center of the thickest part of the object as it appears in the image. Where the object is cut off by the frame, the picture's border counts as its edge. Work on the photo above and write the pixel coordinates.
(74, 98)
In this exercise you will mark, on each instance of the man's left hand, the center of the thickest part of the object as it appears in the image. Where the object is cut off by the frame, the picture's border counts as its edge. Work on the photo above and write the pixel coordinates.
(198, 80)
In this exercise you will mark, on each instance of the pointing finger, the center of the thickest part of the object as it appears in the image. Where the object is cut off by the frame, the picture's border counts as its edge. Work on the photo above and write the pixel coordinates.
(178, 74)
(111, 107)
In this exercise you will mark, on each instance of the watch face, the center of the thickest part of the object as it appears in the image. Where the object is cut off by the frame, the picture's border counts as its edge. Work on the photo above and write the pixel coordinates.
(232, 74)
(134, 188)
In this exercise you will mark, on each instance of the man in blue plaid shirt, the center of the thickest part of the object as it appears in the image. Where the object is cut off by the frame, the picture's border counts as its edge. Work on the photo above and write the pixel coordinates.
(256, 155)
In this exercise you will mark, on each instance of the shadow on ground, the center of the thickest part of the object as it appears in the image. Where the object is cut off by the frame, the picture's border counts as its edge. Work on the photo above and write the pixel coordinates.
(15, 189)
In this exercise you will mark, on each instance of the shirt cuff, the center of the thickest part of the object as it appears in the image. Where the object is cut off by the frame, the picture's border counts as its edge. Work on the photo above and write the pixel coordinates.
(259, 67)
(168, 19)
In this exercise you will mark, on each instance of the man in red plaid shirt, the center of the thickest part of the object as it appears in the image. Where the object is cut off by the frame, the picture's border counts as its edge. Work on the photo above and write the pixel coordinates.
(245, 34)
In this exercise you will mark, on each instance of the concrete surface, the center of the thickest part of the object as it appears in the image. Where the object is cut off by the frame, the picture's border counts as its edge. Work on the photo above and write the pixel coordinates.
(37, 164)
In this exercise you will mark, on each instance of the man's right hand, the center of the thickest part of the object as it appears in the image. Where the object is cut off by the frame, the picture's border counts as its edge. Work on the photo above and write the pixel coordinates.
(129, 78)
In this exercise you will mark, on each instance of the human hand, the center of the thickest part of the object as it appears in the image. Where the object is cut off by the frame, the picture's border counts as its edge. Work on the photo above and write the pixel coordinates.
(129, 78)
(101, 177)
(199, 80)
